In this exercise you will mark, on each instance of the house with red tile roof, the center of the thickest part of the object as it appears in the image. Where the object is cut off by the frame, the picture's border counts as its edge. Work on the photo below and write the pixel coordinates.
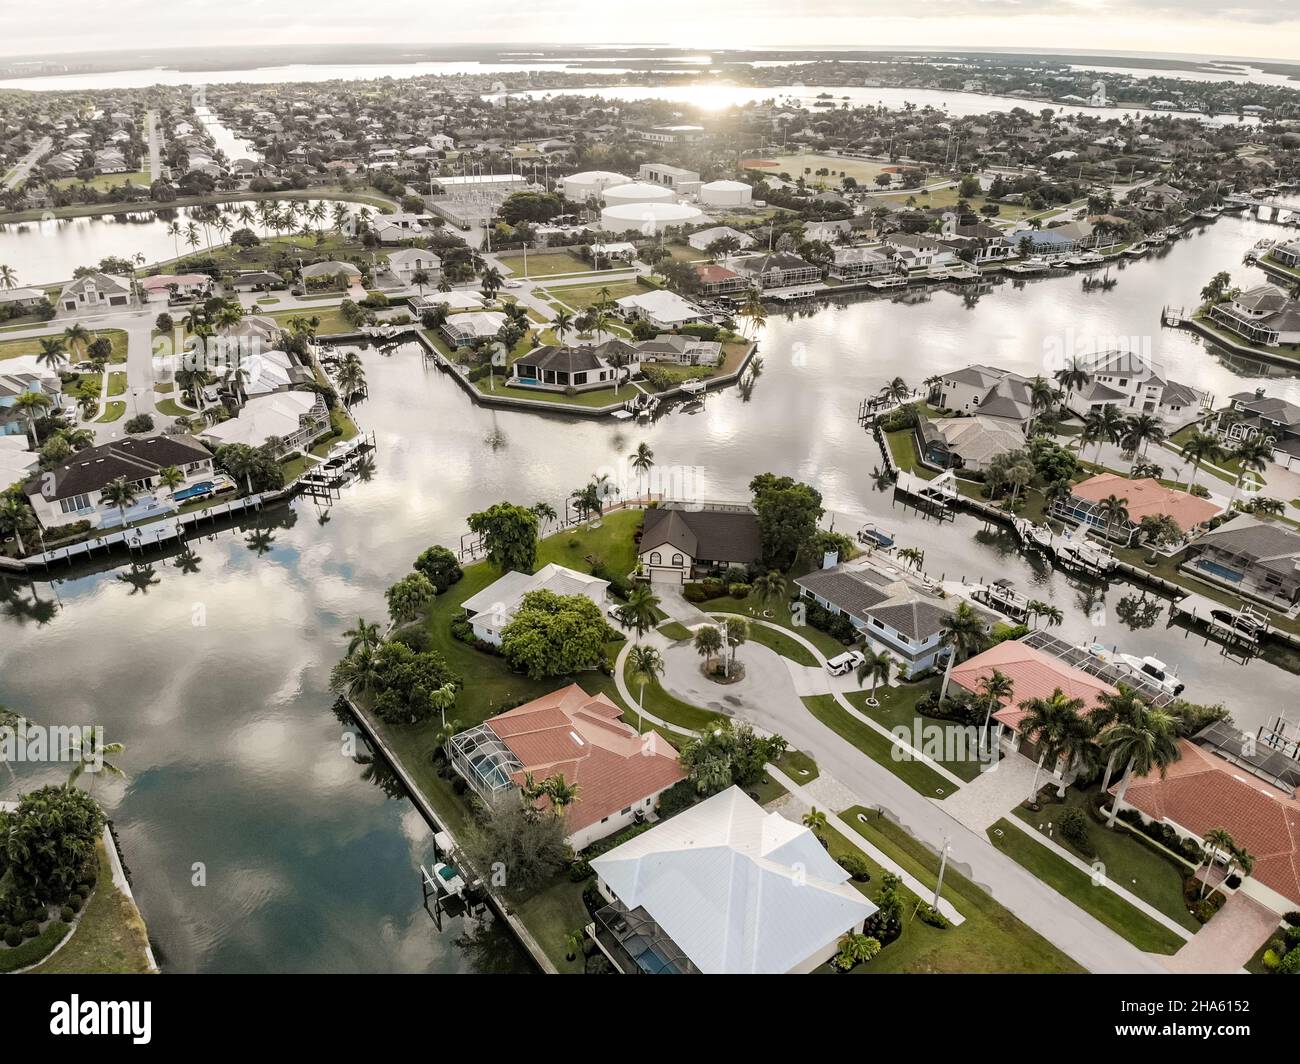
(1034, 674)
(1143, 498)
(619, 774)
(1202, 791)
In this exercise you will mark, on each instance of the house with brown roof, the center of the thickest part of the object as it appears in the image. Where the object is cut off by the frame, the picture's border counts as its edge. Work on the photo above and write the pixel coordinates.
(682, 540)
(619, 774)
(1203, 791)
(73, 490)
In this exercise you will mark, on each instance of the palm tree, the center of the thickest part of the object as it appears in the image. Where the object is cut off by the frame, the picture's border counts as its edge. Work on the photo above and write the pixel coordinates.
(8, 277)
(707, 642)
(561, 794)
(442, 699)
(363, 636)
(1123, 706)
(1075, 375)
(1138, 432)
(1101, 426)
(574, 942)
(877, 666)
(1252, 456)
(770, 586)
(1056, 728)
(1217, 841)
(545, 513)
(1146, 743)
(643, 460)
(15, 517)
(815, 821)
(1197, 448)
(90, 756)
(640, 613)
(914, 556)
(1114, 511)
(171, 477)
(1041, 397)
(997, 687)
(562, 324)
(644, 663)
(357, 672)
(963, 634)
(753, 309)
(29, 403)
(52, 352)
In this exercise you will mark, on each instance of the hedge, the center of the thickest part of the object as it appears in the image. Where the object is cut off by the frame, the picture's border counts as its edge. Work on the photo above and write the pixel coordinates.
(34, 949)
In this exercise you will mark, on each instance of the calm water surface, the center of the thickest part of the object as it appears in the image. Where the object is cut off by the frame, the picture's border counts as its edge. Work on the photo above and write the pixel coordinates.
(234, 753)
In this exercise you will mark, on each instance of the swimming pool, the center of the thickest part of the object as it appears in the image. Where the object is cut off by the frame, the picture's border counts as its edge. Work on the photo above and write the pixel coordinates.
(193, 491)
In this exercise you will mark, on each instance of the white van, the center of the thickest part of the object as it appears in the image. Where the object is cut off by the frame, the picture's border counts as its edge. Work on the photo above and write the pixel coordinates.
(843, 663)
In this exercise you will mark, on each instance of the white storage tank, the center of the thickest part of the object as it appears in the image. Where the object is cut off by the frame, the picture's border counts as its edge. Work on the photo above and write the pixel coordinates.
(582, 187)
(648, 218)
(726, 194)
(637, 192)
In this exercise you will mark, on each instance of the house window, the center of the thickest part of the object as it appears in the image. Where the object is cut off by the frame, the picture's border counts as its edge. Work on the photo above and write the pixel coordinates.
(656, 558)
(75, 503)
(624, 812)
(678, 561)
(579, 378)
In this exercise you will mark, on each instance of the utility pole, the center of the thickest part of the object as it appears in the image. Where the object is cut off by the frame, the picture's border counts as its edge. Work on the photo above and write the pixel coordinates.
(943, 865)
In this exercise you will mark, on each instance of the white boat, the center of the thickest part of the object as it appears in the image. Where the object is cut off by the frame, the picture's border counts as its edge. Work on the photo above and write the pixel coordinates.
(1137, 250)
(1080, 555)
(1087, 258)
(446, 879)
(622, 415)
(1208, 214)
(1151, 671)
(1004, 598)
(887, 282)
(1032, 535)
(693, 387)
(1035, 264)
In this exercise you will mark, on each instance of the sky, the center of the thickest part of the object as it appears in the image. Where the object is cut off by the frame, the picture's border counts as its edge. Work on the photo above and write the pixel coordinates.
(1256, 28)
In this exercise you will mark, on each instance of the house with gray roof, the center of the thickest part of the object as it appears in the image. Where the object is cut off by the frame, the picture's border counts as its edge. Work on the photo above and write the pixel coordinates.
(1253, 556)
(1136, 384)
(989, 391)
(94, 291)
(581, 367)
(890, 613)
(682, 540)
(1261, 315)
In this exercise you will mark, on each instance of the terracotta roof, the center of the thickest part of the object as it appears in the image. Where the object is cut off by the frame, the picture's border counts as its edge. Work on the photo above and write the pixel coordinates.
(1034, 674)
(580, 736)
(1201, 792)
(715, 274)
(1147, 497)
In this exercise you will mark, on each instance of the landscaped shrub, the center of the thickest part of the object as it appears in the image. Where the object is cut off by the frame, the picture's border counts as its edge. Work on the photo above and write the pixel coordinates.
(694, 593)
(855, 866)
(35, 949)
(13, 937)
(833, 624)
(1291, 936)
(1074, 828)
(930, 915)
(1292, 918)
(1233, 881)
(31, 929)
(1271, 960)
(140, 423)
(681, 795)
(598, 964)
(67, 914)
(1290, 964)
(738, 591)
(75, 902)
(713, 588)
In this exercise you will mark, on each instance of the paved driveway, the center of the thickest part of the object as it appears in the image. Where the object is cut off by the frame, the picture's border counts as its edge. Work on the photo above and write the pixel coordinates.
(1228, 941)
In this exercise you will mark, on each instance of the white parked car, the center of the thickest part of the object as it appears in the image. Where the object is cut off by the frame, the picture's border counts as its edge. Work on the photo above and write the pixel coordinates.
(508, 283)
(842, 663)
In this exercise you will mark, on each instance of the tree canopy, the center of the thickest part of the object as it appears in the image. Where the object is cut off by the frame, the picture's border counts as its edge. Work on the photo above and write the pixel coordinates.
(555, 635)
(509, 535)
(788, 512)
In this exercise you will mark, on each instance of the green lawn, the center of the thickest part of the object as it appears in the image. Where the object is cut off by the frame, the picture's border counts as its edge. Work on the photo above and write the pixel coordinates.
(110, 937)
(898, 709)
(778, 612)
(103, 182)
(1063, 877)
(581, 296)
(798, 766)
(551, 914)
(1137, 867)
(171, 408)
(112, 412)
(330, 321)
(785, 645)
(545, 265)
(597, 398)
(989, 941)
(666, 706)
(294, 467)
(674, 630)
(117, 383)
(916, 774)
(31, 345)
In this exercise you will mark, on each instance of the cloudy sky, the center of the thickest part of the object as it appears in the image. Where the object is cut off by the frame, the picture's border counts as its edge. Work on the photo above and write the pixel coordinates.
(1257, 28)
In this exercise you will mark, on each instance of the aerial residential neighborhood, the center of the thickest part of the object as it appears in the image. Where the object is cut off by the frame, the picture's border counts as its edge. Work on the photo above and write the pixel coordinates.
(754, 508)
